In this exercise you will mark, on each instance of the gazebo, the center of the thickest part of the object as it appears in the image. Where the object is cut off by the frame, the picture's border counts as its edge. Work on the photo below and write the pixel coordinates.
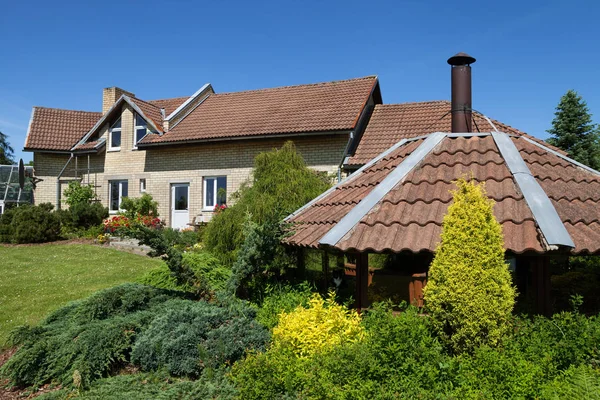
(548, 204)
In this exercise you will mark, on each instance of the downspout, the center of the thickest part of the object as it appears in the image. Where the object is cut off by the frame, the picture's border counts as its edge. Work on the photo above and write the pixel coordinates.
(58, 182)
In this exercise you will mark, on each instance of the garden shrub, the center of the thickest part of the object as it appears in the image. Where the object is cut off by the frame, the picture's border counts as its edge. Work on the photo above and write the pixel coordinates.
(153, 385)
(208, 273)
(29, 224)
(191, 336)
(86, 339)
(143, 206)
(469, 293)
(86, 215)
(76, 193)
(282, 298)
(323, 324)
(577, 382)
(281, 183)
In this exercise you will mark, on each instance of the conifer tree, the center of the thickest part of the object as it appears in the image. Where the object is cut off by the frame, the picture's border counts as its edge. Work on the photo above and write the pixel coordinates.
(469, 293)
(6, 151)
(573, 130)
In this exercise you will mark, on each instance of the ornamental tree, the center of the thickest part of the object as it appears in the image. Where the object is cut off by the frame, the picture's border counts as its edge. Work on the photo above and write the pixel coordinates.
(573, 131)
(469, 293)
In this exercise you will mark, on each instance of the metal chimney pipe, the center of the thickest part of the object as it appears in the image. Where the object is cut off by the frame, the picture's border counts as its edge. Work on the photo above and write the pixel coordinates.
(461, 92)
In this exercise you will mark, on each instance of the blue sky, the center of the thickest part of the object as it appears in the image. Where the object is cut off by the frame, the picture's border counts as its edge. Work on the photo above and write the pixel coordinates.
(61, 53)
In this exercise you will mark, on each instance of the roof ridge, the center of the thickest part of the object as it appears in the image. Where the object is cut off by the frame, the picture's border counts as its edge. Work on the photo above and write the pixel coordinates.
(144, 101)
(170, 98)
(413, 103)
(66, 109)
(299, 85)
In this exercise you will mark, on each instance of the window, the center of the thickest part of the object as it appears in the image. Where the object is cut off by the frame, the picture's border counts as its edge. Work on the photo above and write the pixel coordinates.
(142, 185)
(117, 190)
(115, 135)
(215, 191)
(141, 129)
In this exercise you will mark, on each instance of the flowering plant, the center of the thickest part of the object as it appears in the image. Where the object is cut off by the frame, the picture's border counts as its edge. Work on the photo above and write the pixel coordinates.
(149, 221)
(220, 207)
(114, 222)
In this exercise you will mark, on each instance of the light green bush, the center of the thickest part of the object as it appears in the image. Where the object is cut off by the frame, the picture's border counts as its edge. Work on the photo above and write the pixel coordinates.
(469, 293)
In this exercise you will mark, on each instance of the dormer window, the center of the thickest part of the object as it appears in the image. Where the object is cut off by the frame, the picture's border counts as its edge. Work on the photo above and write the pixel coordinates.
(115, 136)
(141, 129)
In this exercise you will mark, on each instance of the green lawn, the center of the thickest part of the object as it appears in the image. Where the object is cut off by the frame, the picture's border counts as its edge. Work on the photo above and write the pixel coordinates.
(35, 280)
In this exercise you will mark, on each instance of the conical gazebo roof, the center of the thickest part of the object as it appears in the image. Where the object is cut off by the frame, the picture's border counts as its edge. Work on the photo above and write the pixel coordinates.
(544, 201)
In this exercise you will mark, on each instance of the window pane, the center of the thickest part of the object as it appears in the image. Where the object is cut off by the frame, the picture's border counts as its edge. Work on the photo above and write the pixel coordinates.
(221, 190)
(142, 185)
(139, 121)
(181, 197)
(115, 140)
(124, 190)
(114, 196)
(117, 124)
(139, 134)
(209, 196)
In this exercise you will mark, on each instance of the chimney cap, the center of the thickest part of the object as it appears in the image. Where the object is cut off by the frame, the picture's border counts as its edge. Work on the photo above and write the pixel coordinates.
(461, 59)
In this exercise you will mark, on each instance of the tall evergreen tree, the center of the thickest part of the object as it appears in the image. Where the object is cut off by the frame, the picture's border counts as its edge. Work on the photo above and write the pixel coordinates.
(573, 130)
(6, 151)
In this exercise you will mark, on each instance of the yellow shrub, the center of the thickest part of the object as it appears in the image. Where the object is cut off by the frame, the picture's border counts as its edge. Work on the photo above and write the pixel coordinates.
(469, 293)
(323, 324)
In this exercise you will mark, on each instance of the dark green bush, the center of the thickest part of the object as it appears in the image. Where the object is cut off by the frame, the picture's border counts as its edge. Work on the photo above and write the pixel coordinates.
(281, 183)
(191, 336)
(209, 273)
(29, 224)
(87, 339)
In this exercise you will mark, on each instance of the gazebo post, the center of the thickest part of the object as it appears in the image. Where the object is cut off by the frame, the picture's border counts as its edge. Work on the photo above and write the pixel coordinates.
(325, 266)
(540, 270)
(362, 280)
(300, 261)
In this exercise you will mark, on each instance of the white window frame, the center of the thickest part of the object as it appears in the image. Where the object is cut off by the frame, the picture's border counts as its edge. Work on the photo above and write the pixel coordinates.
(215, 191)
(110, 132)
(136, 127)
(143, 185)
(110, 186)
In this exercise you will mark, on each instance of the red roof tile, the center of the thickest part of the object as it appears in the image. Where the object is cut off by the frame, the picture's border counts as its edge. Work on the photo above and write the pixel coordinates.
(58, 130)
(320, 107)
(93, 145)
(390, 123)
(409, 217)
(169, 105)
(150, 111)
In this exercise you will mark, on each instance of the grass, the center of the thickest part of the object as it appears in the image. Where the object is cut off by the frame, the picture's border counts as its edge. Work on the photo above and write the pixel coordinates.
(36, 280)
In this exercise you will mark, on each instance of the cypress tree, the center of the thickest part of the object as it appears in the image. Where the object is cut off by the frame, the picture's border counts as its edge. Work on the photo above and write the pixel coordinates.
(573, 131)
(469, 293)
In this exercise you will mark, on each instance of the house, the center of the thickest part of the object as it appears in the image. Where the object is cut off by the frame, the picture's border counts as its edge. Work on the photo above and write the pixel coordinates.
(192, 153)
(547, 204)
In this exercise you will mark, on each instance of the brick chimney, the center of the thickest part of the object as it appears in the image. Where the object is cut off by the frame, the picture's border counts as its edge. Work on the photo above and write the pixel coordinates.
(111, 95)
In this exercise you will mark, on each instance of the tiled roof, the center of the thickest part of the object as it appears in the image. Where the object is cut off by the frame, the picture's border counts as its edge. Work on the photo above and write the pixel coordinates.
(169, 105)
(150, 111)
(409, 217)
(58, 130)
(390, 123)
(320, 107)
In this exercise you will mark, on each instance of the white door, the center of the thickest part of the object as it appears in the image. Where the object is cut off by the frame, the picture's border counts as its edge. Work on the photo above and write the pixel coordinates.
(180, 213)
